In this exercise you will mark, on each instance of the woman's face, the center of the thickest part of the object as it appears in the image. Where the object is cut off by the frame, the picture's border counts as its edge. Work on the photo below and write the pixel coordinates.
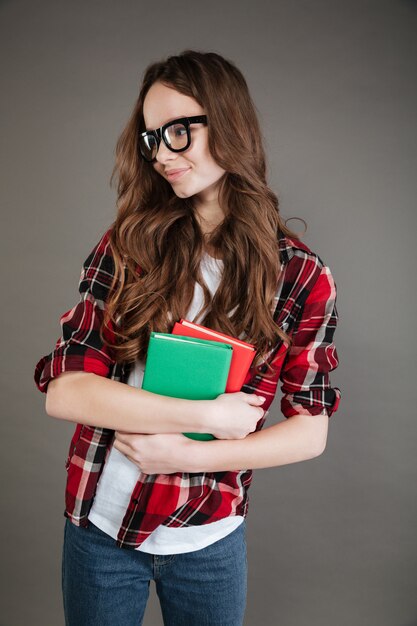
(163, 104)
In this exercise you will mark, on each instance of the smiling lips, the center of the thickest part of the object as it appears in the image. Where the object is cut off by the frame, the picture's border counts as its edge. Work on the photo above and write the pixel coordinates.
(174, 174)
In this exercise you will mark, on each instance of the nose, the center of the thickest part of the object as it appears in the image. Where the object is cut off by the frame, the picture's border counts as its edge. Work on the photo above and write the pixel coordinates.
(164, 154)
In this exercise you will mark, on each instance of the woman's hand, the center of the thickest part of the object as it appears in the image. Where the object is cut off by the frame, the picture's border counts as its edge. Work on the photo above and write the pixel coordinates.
(156, 454)
(235, 415)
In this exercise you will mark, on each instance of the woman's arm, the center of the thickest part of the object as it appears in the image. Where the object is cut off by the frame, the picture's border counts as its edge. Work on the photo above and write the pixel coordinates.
(298, 438)
(97, 401)
(94, 400)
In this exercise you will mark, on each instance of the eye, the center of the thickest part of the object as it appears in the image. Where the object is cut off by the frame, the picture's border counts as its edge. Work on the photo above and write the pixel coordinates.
(179, 130)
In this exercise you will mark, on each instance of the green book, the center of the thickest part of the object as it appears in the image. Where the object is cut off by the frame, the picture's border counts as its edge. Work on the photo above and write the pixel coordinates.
(186, 367)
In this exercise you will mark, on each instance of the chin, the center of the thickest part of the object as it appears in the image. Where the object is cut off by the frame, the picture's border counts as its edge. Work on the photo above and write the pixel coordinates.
(182, 193)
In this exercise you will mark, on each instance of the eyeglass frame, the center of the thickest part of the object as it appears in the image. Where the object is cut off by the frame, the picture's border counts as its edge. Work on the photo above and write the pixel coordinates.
(159, 133)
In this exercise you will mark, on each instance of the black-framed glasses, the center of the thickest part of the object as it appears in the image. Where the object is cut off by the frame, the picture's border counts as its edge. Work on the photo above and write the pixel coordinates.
(175, 134)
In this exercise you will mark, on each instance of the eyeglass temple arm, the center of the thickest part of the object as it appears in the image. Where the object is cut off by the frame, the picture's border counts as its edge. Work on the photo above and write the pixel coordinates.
(198, 118)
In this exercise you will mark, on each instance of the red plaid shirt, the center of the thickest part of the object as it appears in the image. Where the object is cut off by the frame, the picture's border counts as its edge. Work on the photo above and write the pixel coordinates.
(304, 306)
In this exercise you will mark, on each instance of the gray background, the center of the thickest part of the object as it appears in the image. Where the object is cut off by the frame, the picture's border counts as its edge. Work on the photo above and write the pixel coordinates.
(331, 541)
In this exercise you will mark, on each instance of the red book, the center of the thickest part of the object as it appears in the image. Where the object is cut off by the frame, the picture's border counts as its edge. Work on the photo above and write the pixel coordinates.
(242, 357)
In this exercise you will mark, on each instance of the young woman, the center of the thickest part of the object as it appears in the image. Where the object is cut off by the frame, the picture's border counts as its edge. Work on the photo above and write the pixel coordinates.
(198, 235)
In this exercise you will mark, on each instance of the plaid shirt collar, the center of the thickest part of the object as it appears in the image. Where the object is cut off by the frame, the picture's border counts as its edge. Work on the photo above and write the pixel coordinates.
(286, 249)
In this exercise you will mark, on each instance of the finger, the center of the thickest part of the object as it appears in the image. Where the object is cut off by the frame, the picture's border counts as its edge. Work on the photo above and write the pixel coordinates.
(133, 460)
(255, 399)
(124, 436)
(127, 452)
(120, 433)
(122, 447)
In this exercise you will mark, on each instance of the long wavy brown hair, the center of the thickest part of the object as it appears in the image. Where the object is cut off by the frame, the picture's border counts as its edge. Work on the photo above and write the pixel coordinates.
(156, 239)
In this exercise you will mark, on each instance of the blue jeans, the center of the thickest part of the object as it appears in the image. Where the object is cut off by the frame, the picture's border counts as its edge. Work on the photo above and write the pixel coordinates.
(103, 584)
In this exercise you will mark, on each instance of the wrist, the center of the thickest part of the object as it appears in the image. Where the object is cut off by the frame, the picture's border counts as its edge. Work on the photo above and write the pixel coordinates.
(199, 416)
(198, 456)
(220, 455)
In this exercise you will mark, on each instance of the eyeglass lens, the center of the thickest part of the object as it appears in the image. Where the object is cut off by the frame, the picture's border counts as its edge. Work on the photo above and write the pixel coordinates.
(175, 136)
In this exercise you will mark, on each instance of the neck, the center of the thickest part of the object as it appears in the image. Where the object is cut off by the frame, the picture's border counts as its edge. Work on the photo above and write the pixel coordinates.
(209, 216)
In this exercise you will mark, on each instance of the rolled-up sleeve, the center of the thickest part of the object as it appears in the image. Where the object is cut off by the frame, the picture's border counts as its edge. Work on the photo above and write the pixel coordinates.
(306, 385)
(80, 346)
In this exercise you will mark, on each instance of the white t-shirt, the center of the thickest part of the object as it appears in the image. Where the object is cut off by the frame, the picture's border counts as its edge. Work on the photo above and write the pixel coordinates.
(119, 475)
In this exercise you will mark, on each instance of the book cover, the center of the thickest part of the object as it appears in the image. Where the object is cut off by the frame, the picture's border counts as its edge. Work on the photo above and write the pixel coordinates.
(187, 367)
(243, 352)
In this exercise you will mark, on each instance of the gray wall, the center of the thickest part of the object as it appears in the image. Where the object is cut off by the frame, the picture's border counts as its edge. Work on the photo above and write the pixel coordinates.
(332, 540)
